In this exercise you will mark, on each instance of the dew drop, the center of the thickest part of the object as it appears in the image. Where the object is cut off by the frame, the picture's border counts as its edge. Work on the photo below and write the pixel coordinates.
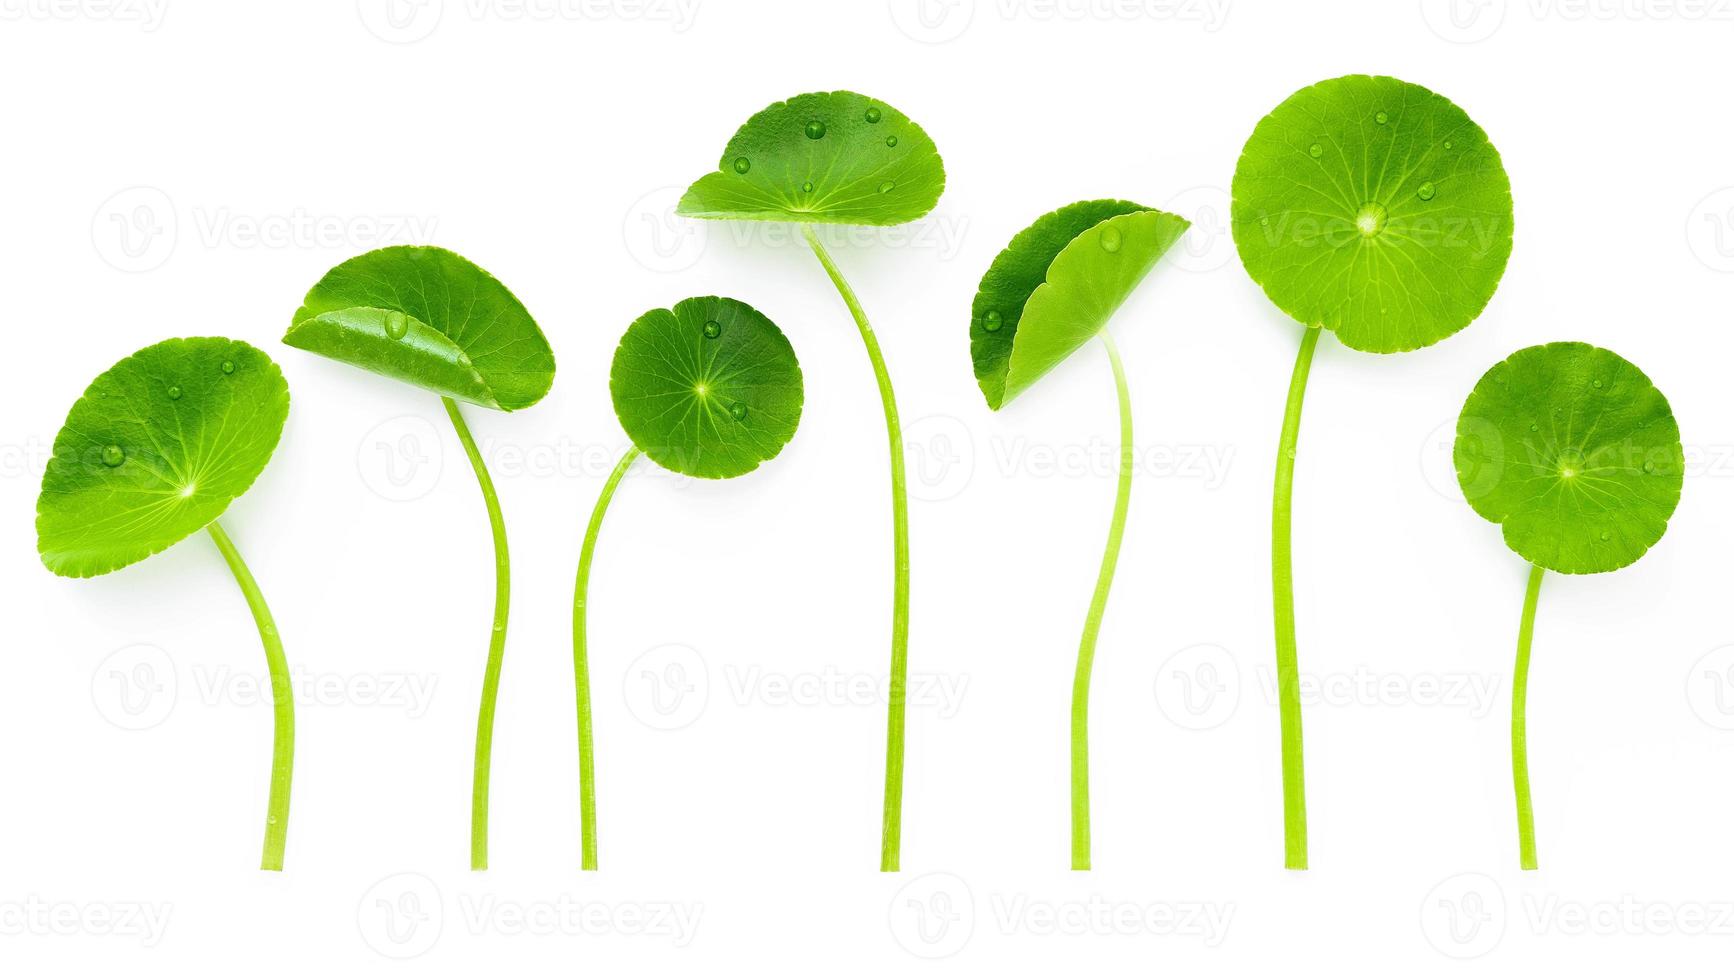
(991, 321)
(113, 456)
(1649, 466)
(815, 130)
(174, 393)
(806, 187)
(228, 367)
(1448, 144)
(1264, 222)
(890, 141)
(712, 329)
(886, 187)
(742, 165)
(396, 325)
(1534, 427)
(1316, 151)
(1606, 535)
(1597, 382)
(738, 411)
(1426, 191)
(873, 114)
(1111, 238)
(1381, 117)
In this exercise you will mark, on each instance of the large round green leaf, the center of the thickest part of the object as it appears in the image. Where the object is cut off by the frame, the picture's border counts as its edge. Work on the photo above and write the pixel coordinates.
(155, 450)
(1375, 208)
(1056, 285)
(710, 388)
(432, 318)
(834, 157)
(1574, 453)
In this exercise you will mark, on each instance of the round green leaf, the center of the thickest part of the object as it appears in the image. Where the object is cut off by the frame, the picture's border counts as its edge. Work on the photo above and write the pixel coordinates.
(432, 318)
(710, 388)
(1056, 285)
(1574, 453)
(1374, 208)
(830, 157)
(155, 450)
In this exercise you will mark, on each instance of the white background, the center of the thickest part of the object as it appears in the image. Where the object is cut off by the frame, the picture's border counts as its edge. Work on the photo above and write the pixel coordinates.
(181, 168)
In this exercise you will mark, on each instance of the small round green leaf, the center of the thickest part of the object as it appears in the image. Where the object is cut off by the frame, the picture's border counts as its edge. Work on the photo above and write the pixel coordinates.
(1574, 453)
(155, 450)
(1374, 208)
(1056, 286)
(710, 388)
(829, 157)
(432, 318)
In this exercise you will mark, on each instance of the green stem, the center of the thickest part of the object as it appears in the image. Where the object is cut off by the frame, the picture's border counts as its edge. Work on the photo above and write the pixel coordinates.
(1093, 623)
(1294, 792)
(496, 644)
(581, 665)
(891, 830)
(282, 704)
(1519, 737)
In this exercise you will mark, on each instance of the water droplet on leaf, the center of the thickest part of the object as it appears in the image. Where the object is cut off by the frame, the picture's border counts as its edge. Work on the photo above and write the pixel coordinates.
(872, 114)
(113, 456)
(1111, 239)
(806, 187)
(815, 130)
(1426, 191)
(738, 411)
(228, 367)
(991, 321)
(712, 329)
(1381, 117)
(396, 325)
(1606, 535)
(174, 393)
(742, 165)
(890, 141)
(886, 187)
(1316, 151)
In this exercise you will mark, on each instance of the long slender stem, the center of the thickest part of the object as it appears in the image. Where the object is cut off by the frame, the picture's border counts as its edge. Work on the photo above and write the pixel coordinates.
(1519, 735)
(891, 830)
(1093, 623)
(282, 704)
(1294, 792)
(496, 644)
(581, 665)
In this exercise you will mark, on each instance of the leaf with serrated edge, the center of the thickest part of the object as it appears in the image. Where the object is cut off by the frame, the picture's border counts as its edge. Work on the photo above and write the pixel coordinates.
(702, 405)
(156, 449)
(870, 166)
(1056, 286)
(432, 318)
(1374, 208)
(1574, 453)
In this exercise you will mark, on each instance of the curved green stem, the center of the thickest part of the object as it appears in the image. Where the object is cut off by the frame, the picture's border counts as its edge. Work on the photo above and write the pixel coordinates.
(496, 644)
(282, 704)
(1294, 792)
(1519, 737)
(581, 664)
(1093, 623)
(891, 830)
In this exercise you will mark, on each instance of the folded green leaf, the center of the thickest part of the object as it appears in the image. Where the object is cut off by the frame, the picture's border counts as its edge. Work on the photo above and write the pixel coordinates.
(1574, 453)
(155, 450)
(710, 388)
(1056, 286)
(832, 157)
(1375, 208)
(432, 318)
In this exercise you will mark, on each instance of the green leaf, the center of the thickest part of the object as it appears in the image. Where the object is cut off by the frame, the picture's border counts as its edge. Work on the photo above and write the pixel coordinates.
(1056, 286)
(1375, 208)
(1574, 453)
(710, 388)
(432, 318)
(155, 450)
(831, 157)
